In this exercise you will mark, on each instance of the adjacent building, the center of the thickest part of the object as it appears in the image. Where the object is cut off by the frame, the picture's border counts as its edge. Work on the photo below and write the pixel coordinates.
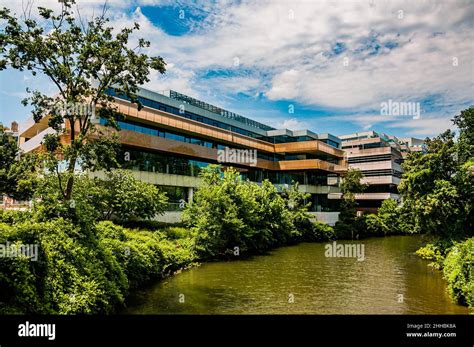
(174, 136)
(379, 157)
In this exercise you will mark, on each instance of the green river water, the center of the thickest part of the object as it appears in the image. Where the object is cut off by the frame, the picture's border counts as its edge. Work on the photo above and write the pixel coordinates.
(300, 279)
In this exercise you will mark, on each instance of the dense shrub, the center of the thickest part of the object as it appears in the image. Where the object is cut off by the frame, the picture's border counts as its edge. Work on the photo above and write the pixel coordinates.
(147, 224)
(229, 212)
(459, 272)
(374, 225)
(71, 275)
(319, 232)
(391, 219)
(434, 252)
(79, 272)
(145, 255)
(14, 216)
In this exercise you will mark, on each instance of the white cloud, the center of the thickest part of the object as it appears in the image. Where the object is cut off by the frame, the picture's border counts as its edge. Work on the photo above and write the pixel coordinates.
(292, 124)
(285, 53)
(291, 46)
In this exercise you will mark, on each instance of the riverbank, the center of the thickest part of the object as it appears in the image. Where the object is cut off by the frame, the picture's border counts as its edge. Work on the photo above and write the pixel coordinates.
(80, 271)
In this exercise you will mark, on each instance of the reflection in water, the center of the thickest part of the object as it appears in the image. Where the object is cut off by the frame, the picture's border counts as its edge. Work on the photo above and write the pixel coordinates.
(391, 279)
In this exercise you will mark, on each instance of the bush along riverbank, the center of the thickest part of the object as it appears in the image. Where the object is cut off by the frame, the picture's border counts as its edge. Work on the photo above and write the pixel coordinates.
(77, 271)
(456, 261)
(86, 265)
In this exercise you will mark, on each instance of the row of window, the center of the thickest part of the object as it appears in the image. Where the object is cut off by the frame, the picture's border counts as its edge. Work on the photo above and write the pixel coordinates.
(183, 113)
(138, 160)
(218, 110)
(385, 172)
(155, 131)
(374, 158)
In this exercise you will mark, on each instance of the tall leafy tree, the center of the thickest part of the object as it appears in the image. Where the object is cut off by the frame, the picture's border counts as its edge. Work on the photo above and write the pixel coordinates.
(350, 186)
(465, 122)
(83, 60)
(437, 187)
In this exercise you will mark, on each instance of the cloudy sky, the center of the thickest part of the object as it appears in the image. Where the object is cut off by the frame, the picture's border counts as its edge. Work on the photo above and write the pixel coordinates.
(323, 65)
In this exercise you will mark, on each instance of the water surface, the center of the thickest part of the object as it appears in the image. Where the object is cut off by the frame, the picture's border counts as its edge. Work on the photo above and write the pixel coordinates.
(302, 280)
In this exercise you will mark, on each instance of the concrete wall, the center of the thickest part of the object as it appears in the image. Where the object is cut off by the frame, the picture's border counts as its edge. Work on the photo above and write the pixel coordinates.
(169, 217)
(327, 217)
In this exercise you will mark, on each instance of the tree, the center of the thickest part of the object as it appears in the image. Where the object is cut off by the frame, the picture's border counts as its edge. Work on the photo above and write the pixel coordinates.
(117, 196)
(296, 203)
(465, 122)
(83, 61)
(232, 215)
(122, 196)
(350, 186)
(18, 173)
(437, 187)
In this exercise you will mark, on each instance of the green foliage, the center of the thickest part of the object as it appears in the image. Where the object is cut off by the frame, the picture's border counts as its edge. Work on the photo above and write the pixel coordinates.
(351, 184)
(434, 252)
(119, 196)
(229, 212)
(374, 225)
(14, 216)
(389, 220)
(437, 187)
(319, 232)
(83, 273)
(295, 201)
(465, 122)
(349, 225)
(18, 172)
(148, 224)
(176, 233)
(71, 275)
(459, 272)
(124, 197)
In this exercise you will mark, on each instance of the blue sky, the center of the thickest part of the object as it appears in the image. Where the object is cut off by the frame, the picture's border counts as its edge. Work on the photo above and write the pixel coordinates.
(324, 65)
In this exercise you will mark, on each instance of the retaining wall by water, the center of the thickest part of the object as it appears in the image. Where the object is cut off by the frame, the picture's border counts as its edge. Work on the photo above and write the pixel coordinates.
(327, 217)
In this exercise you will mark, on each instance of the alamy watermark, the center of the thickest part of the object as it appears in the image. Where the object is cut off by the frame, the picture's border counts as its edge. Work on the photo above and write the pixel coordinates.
(37, 330)
(237, 156)
(13, 250)
(75, 108)
(346, 250)
(395, 108)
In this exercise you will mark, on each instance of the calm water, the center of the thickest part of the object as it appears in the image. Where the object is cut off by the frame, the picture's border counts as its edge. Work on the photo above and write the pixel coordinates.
(319, 285)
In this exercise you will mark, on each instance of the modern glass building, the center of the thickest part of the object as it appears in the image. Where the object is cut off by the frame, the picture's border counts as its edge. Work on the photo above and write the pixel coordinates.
(174, 136)
(379, 157)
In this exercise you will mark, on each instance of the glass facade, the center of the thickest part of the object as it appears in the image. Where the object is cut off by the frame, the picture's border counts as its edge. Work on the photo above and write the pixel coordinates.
(199, 118)
(202, 119)
(166, 163)
(138, 160)
(156, 131)
(133, 159)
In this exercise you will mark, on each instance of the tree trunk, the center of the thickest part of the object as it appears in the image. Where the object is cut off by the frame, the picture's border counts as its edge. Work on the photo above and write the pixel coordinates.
(70, 180)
